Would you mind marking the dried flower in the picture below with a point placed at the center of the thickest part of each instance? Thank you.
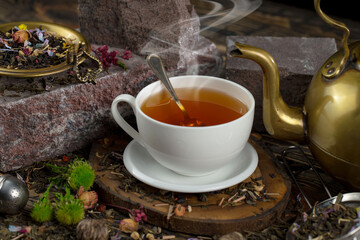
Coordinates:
(179, 210)
(106, 58)
(27, 50)
(135, 235)
(101, 208)
(128, 225)
(26, 230)
(21, 36)
(88, 198)
(3, 41)
(139, 214)
(65, 158)
(22, 27)
(126, 54)
(150, 236)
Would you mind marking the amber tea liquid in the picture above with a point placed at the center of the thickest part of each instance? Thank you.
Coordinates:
(209, 106)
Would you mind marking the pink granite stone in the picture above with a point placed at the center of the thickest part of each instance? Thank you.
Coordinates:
(34, 127)
(167, 27)
(69, 116)
(298, 59)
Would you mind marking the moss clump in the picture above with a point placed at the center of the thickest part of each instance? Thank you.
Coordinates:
(69, 211)
(80, 173)
(43, 209)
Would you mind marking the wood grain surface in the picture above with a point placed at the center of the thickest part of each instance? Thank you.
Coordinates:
(206, 218)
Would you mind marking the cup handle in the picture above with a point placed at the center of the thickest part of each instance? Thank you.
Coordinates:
(121, 121)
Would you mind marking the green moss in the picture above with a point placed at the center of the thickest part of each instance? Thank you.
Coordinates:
(70, 213)
(43, 209)
(69, 210)
(80, 173)
(42, 212)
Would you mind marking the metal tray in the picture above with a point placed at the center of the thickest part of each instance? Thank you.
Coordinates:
(350, 200)
(66, 32)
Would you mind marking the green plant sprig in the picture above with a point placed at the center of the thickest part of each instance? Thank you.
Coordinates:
(80, 173)
(43, 210)
(69, 210)
(76, 174)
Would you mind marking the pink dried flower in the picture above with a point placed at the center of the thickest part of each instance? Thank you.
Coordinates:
(106, 58)
(126, 54)
(21, 36)
(88, 198)
(139, 214)
(27, 51)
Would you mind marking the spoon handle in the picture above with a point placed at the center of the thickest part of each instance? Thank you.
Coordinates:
(156, 65)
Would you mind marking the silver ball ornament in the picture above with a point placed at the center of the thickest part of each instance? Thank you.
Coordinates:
(13, 194)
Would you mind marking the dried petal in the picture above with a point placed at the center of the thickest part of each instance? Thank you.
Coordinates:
(179, 210)
(150, 236)
(22, 27)
(259, 188)
(135, 235)
(128, 225)
(189, 208)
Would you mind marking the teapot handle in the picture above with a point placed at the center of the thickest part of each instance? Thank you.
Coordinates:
(336, 70)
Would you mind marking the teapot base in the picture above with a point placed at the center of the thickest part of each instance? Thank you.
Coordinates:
(345, 172)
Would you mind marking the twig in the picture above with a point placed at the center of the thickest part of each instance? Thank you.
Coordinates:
(119, 174)
(170, 211)
(221, 202)
(239, 199)
(161, 204)
(18, 237)
(168, 237)
(272, 194)
(231, 198)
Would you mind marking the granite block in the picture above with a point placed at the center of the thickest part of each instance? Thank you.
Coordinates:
(38, 126)
(298, 59)
(66, 116)
(167, 27)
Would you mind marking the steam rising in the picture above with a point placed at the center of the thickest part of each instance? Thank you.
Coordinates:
(183, 40)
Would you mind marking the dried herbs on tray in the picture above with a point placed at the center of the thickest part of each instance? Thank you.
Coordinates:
(23, 48)
(329, 222)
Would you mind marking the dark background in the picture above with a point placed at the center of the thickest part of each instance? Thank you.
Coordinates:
(334, 8)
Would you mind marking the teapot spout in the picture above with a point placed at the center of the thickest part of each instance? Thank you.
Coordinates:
(280, 120)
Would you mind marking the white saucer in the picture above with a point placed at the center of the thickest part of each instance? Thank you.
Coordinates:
(145, 168)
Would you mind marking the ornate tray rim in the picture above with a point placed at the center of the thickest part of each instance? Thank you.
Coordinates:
(60, 29)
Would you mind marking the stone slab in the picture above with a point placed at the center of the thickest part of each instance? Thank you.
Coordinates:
(34, 127)
(298, 59)
(167, 27)
(56, 116)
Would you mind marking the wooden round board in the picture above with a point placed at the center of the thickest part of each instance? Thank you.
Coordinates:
(116, 186)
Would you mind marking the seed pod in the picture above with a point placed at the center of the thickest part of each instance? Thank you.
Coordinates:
(92, 229)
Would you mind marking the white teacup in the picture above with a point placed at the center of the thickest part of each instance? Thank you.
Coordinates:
(191, 151)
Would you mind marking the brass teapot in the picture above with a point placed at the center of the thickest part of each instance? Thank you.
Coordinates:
(330, 119)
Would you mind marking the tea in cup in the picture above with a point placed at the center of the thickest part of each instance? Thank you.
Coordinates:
(225, 108)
